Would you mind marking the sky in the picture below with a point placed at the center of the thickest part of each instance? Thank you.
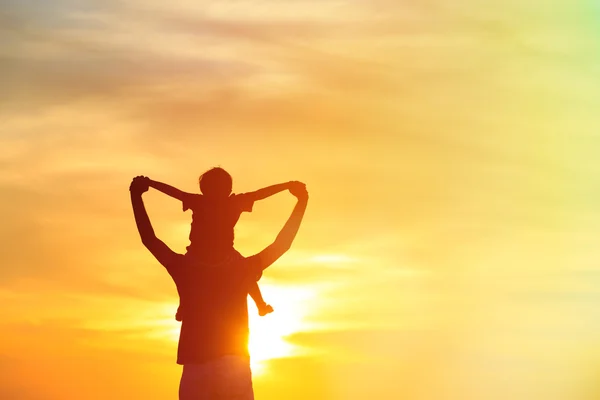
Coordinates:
(450, 149)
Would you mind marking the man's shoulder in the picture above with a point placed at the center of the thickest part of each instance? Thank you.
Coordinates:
(251, 264)
(175, 263)
(232, 260)
(238, 261)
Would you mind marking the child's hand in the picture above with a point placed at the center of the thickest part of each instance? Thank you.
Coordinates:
(298, 189)
(295, 185)
(139, 185)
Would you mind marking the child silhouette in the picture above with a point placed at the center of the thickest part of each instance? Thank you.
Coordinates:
(215, 213)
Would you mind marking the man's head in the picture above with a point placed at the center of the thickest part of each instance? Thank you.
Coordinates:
(216, 182)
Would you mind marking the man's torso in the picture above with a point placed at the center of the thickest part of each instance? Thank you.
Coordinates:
(214, 303)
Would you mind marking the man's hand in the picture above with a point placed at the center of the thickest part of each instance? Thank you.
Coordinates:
(298, 189)
(139, 185)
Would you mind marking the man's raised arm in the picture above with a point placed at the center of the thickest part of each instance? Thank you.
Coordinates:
(286, 236)
(160, 250)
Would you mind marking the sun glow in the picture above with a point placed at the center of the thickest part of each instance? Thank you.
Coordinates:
(268, 334)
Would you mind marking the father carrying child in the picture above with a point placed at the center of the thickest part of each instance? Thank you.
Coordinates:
(215, 213)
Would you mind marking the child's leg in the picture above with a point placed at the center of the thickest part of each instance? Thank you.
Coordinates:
(263, 308)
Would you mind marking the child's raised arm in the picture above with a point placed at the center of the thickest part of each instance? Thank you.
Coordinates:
(269, 191)
(169, 190)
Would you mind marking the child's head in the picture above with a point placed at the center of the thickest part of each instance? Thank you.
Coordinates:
(216, 182)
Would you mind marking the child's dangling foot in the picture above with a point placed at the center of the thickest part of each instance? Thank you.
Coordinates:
(264, 309)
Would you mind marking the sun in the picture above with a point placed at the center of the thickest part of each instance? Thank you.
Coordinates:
(268, 334)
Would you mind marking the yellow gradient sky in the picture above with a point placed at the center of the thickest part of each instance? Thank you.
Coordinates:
(451, 151)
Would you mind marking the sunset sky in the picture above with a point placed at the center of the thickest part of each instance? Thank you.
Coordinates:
(451, 149)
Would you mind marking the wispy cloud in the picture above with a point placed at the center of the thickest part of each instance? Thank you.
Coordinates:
(450, 152)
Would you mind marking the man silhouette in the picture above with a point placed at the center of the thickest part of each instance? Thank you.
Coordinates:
(213, 342)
